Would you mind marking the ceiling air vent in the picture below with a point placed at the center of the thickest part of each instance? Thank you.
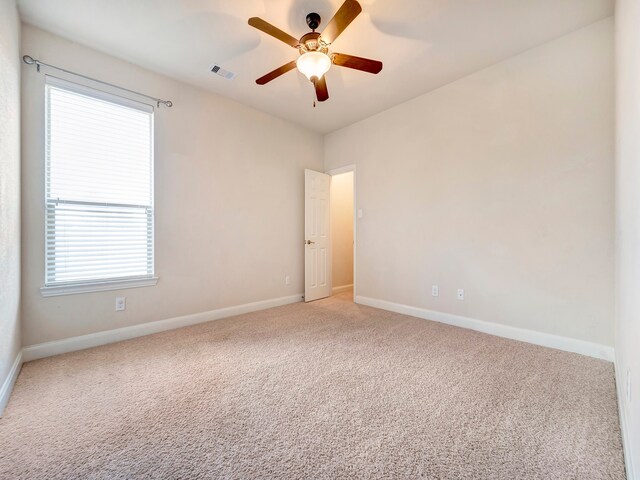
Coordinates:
(218, 70)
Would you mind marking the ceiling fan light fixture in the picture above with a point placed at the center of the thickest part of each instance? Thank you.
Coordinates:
(313, 64)
(315, 60)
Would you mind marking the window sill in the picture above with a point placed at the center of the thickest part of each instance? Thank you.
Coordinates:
(73, 289)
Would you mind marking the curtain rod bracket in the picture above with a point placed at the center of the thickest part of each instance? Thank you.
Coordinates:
(29, 60)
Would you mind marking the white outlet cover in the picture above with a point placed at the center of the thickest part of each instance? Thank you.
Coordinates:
(121, 304)
(435, 290)
(287, 280)
(460, 294)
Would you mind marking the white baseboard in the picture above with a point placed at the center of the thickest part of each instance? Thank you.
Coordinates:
(343, 288)
(7, 386)
(582, 347)
(57, 347)
(624, 428)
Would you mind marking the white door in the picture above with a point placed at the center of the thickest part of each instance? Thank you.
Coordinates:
(317, 258)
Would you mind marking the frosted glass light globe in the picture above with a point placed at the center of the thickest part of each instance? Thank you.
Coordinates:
(313, 64)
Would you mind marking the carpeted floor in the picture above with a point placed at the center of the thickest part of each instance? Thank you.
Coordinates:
(324, 390)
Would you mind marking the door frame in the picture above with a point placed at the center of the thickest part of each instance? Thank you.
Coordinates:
(338, 171)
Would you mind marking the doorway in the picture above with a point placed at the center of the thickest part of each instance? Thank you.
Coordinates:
(342, 214)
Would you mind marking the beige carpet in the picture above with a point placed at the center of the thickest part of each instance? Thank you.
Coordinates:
(324, 390)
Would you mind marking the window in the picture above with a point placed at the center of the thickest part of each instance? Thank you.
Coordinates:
(98, 190)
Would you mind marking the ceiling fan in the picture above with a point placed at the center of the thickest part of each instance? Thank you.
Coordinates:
(315, 59)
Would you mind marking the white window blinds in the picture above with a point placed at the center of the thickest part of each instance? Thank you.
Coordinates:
(99, 186)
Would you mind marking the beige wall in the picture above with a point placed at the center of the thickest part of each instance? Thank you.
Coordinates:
(9, 186)
(229, 201)
(627, 343)
(342, 229)
(500, 183)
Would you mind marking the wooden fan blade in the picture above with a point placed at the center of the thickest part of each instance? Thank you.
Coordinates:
(269, 29)
(357, 63)
(276, 73)
(321, 89)
(349, 10)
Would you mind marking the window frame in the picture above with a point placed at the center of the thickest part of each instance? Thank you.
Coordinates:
(115, 283)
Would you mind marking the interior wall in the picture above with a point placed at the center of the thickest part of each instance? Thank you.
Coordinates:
(9, 187)
(500, 184)
(342, 229)
(229, 201)
(627, 337)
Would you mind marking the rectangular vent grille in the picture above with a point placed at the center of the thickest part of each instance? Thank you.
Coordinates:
(218, 70)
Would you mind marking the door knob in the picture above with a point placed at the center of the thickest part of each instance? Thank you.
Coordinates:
(309, 242)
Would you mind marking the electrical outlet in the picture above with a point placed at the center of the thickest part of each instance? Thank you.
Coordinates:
(460, 294)
(435, 291)
(287, 280)
(629, 386)
(121, 304)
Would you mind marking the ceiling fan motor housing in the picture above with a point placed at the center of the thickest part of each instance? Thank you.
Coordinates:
(313, 20)
(310, 43)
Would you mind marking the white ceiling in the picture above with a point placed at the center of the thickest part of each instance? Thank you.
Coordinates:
(423, 44)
